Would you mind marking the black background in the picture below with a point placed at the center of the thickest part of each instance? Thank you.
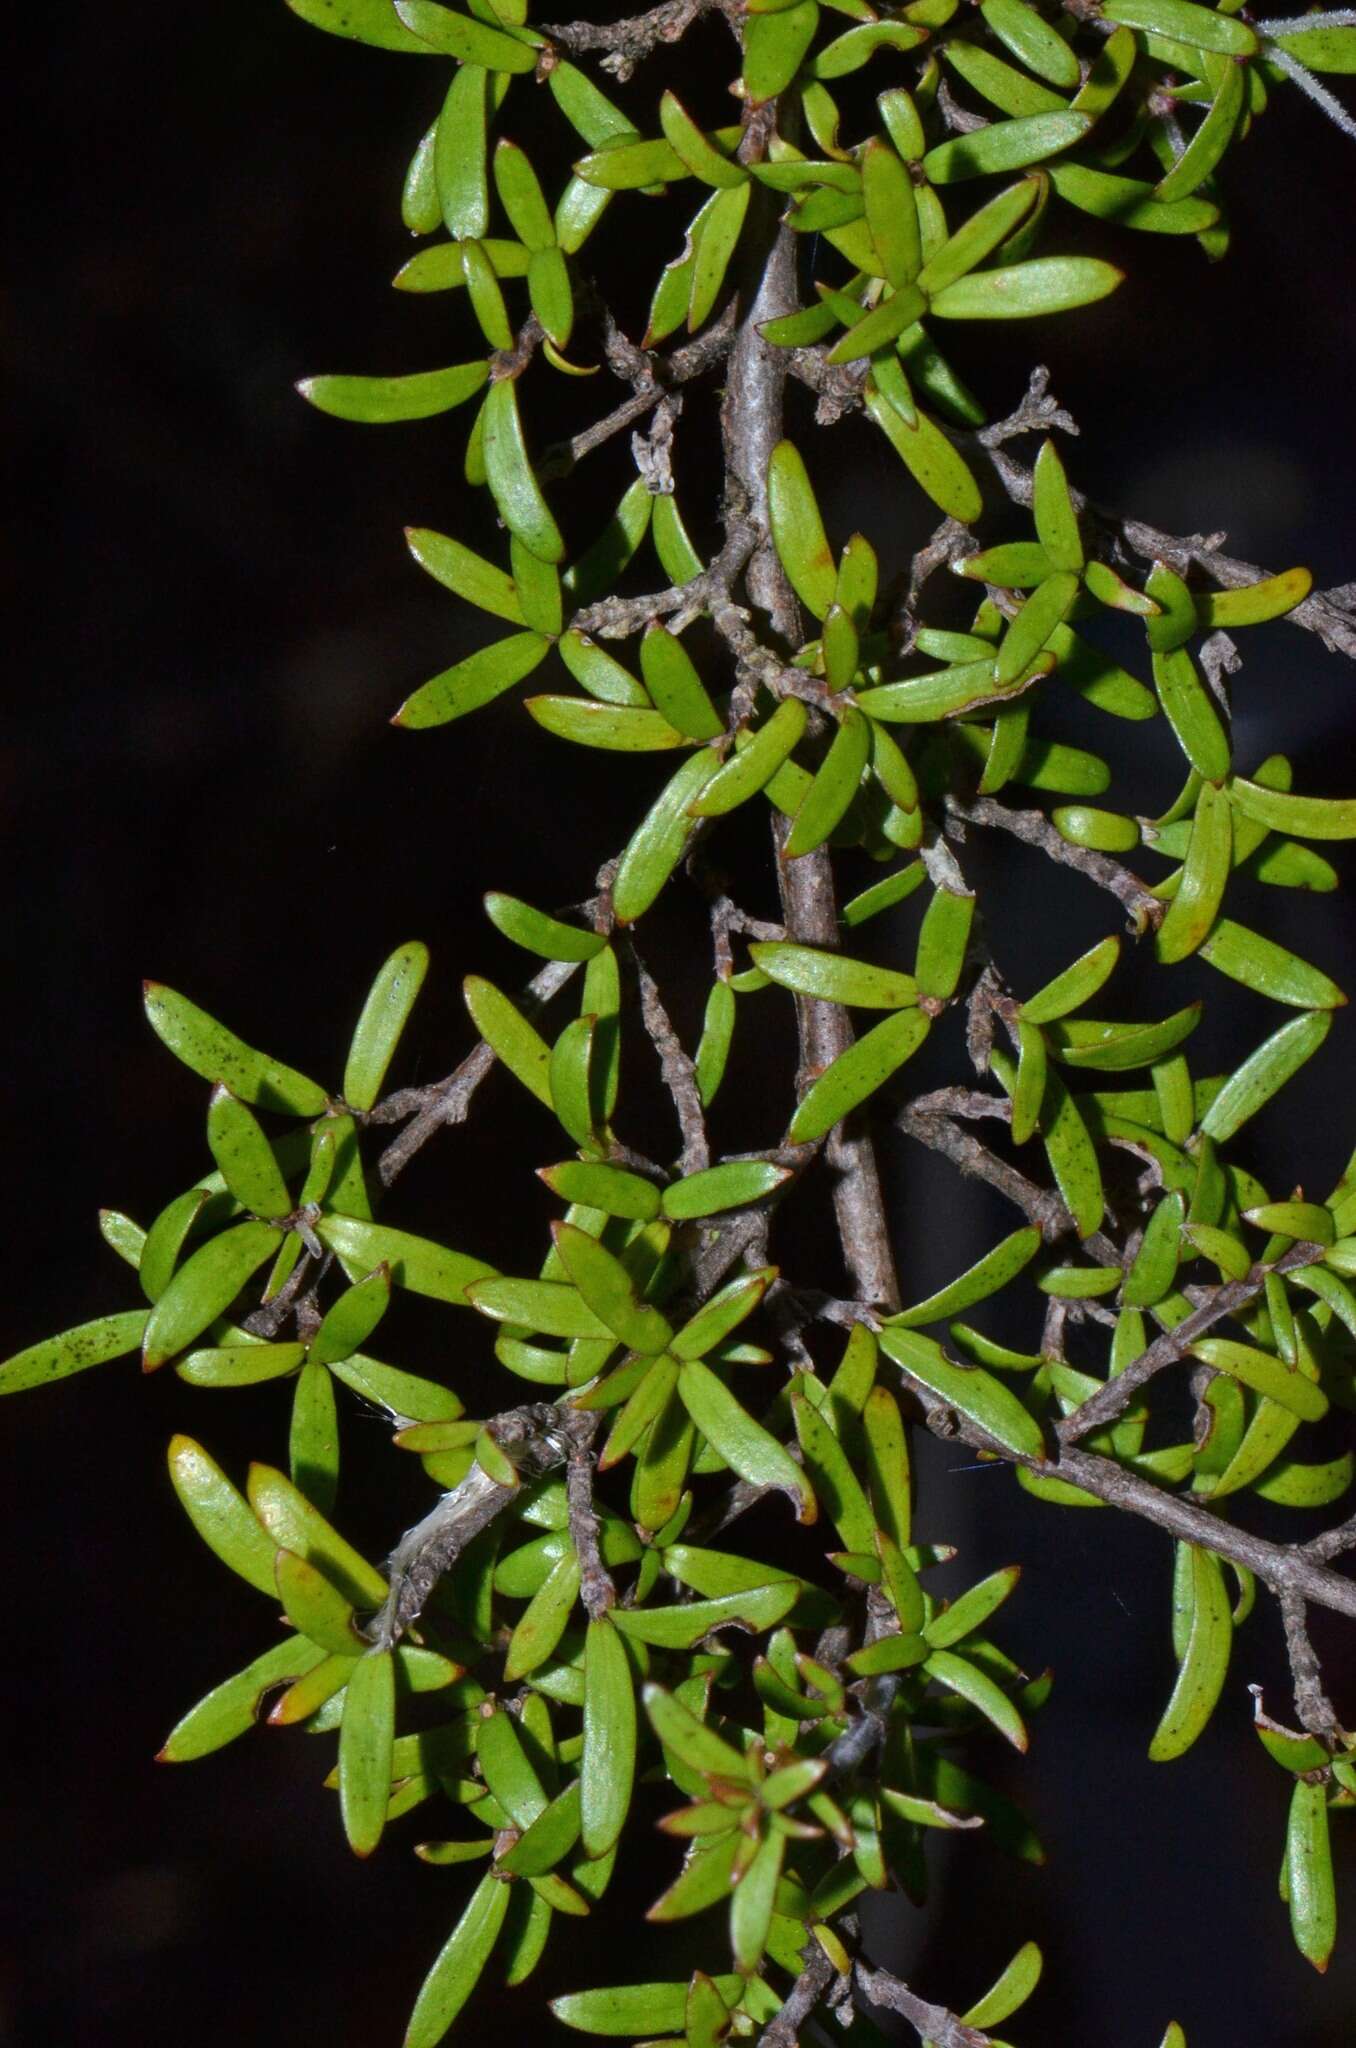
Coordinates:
(215, 616)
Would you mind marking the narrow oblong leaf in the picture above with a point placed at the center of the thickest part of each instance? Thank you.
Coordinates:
(366, 1738)
(743, 1443)
(1004, 146)
(832, 977)
(204, 1288)
(857, 1073)
(1264, 1072)
(1265, 1374)
(607, 1288)
(1303, 817)
(459, 1964)
(474, 682)
(414, 1262)
(385, 1013)
(511, 478)
(608, 1760)
(1205, 1660)
(1075, 985)
(974, 1393)
(730, 1186)
(209, 1049)
(996, 1269)
(1309, 1876)
(1259, 963)
(55, 1358)
(656, 846)
(383, 400)
(221, 1514)
(753, 766)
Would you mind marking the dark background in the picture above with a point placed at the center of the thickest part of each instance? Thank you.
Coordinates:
(215, 616)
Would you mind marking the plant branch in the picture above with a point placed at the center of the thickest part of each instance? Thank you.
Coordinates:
(1033, 828)
(933, 2024)
(627, 43)
(1224, 1300)
(751, 426)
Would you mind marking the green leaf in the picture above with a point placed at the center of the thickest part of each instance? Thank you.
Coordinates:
(835, 1483)
(1153, 1271)
(209, 1049)
(296, 1526)
(1204, 1662)
(474, 682)
(996, 1269)
(657, 845)
(1320, 49)
(1004, 146)
(415, 1262)
(752, 1903)
(509, 1036)
(1308, 1869)
(1268, 1069)
(1072, 1156)
(204, 1288)
(362, 21)
(366, 1736)
(976, 1687)
(691, 1741)
(857, 1073)
(610, 1188)
(832, 977)
(385, 1014)
(617, 728)
(730, 1186)
(1210, 140)
(1028, 1091)
(1303, 817)
(929, 457)
(774, 48)
(975, 1394)
(1259, 963)
(1265, 1374)
(1112, 1047)
(88, 1344)
(753, 766)
(465, 574)
(891, 213)
(681, 1628)
(316, 1607)
(382, 400)
(743, 1443)
(608, 1290)
(722, 1313)
(608, 1762)
(1185, 22)
(1011, 1990)
(798, 531)
(470, 42)
(713, 1050)
(507, 1769)
(1024, 291)
(313, 1439)
(836, 781)
(675, 686)
(460, 155)
(459, 1964)
(640, 2010)
(547, 1306)
(1051, 505)
(1192, 714)
(977, 237)
(232, 1707)
(221, 1514)
(1032, 41)
(887, 1466)
(1075, 985)
(1205, 872)
(596, 671)
(244, 1156)
(511, 479)
(942, 939)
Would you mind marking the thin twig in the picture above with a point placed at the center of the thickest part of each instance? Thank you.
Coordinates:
(680, 1076)
(934, 2024)
(1033, 828)
(1224, 1300)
